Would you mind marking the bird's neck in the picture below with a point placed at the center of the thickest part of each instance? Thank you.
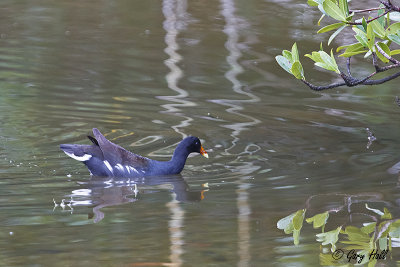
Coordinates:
(178, 159)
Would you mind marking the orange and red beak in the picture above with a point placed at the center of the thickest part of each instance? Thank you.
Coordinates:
(203, 152)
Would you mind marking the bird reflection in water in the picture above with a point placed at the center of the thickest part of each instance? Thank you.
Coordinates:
(105, 192)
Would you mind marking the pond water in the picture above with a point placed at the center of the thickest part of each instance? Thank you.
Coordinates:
(148, 73)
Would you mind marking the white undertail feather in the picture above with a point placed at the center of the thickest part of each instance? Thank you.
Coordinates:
(85, 157)
(108, 165)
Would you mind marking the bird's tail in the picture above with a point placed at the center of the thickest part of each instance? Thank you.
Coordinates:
(77, 152)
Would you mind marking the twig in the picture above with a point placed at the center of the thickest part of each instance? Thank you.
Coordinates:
(391, 59)
(370, 20)
(389, 5)
(381, 69)
(325, 87)
(366, 10)
(348, 66)
(383, 80)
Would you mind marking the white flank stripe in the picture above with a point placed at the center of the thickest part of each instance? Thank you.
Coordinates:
(81, 158)
(133, 169)
(119, 167)
(127, 168)
(108, 166)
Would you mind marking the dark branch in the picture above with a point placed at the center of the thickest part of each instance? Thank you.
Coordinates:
(351, 81)
(366, 10)
(348, 66)
(383, 80)
(389, 6)
(325, 87)
(382, 69)
(391, 59)
(370, 20)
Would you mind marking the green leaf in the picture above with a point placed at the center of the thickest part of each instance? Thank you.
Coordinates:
(383, 243)
(350, 54)
(370, 36)
(344, 7)
(395, 16)
(368, 227)
(297, 70)
(298, 222)
(330, 60)
(331, 27)
(292, 223)
(351, 47)
(287, 54)
(296, 237)
(387, 215)
(364, 23)
(333, 10)
(378, 29)
(387, 19)
(394, 38)
(355, 234)
(320, 19)
(395, 52)
(323, 60)
(369, 52)
(318, 220)
(336, 33)
(361, 36)
(295, 53)
(286, 223)
(284, 63)
(330, 237)
(393, 29)
(394, 230)
(385, 49)
(381, 20)
(315, 56)
(351, 50)
(312, 3)
(298, 219)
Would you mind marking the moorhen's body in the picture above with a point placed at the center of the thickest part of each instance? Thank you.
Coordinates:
(104, 158)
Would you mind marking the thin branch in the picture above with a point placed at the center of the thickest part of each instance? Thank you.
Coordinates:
(381, 69)
(389, 5)
(325, 87)
(348, 66)
(370, 20)
(383, 80)
(391, 59)
(351, 81)
(366, 10)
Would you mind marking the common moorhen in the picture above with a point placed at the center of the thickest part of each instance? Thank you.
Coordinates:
(104, 158)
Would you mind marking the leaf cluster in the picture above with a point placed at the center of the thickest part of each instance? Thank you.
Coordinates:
(377, 36)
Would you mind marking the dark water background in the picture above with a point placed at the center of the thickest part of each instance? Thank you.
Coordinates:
(147, 73)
